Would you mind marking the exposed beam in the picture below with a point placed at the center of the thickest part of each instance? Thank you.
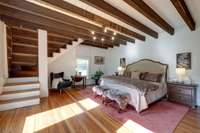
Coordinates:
(148, 12)
(107, 8)
(65, 34)
(73, 23)
(99, 43)
(42, 22)
(97, 19)
(18, 22)
(182, 9)
(93, 45)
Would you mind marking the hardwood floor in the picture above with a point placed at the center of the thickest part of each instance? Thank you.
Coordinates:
(65, 113)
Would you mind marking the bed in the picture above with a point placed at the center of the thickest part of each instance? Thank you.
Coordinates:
(142, 91)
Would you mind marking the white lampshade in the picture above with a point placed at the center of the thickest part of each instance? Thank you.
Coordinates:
(119, 69)
(180, 71)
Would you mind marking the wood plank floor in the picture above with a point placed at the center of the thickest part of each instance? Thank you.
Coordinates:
(65, 113)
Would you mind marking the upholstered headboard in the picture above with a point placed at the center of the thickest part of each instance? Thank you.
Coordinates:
(147, 65)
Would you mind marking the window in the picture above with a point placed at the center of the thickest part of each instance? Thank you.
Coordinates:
(82, 66)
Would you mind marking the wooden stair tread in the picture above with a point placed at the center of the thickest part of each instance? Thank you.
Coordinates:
(30, 73)
(18, 99)
(24, 63)
(21, 83)
(20, 91)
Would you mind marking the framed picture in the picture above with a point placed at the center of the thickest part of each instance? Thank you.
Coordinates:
(99, 60)
(123, 62)
(183, 60)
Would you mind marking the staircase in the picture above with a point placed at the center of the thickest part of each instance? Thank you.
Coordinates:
(22, 50)
(19, 94)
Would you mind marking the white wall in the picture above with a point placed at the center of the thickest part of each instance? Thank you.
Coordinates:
(90, 53)
(3, 56)
(67, 62)
(43, 62)
(164, 50)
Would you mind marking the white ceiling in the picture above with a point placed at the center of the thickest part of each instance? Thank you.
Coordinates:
(163, 7)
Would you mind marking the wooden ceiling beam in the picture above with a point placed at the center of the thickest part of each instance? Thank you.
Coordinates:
(94, 45)
(60, 38)
(94, 18)
(41, 22)
(73, 23)
(100, 43)
(148, 12)
(107, 8)
(11, 21)
(184, 12)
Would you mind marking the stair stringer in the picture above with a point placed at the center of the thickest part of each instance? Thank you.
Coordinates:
(63, 51)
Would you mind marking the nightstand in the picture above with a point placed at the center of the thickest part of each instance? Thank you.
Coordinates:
(182, 93)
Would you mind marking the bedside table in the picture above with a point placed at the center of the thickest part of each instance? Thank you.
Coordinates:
(182, 93)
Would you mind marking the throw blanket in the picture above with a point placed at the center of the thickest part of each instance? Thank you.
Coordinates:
(138, 89)
(141, 85)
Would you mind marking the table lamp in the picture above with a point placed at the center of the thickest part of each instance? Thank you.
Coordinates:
(180, 73)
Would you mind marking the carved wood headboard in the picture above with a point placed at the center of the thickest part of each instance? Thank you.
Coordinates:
(147, 65)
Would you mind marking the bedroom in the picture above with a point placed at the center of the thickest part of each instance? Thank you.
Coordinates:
(90, 49)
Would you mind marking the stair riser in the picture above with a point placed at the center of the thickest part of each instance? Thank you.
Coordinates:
(21, 104)
(21, 87)
(19, 80)
(19, 95)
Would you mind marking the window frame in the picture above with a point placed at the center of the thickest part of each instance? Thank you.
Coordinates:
(88, 59)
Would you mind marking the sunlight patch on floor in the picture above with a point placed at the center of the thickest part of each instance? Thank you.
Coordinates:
(133, 127)
(48, 118)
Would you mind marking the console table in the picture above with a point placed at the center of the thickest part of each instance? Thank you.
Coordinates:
(79, 79)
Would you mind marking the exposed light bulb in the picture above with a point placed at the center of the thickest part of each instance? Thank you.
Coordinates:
(105, 30)
(94, 38)
(92, 32)
(114, 33)
(102, 39)
(113, 38)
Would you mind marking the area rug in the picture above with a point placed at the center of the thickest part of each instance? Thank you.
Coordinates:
(160, 117)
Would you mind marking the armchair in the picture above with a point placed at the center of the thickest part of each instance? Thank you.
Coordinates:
(62, 84)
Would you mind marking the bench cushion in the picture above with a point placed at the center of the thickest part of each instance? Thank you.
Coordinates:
(100, 90)
(122, 98)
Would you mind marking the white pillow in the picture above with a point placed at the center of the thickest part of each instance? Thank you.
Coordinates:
(55, 82)
(135, 75)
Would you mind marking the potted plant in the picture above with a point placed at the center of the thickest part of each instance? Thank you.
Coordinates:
(97, 76)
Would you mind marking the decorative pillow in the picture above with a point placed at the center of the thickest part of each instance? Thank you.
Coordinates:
(127, 74)
(154, 77)
(135, 75)
(56, 82)
(142, 75)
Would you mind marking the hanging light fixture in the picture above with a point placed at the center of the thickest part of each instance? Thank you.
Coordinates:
(112, 38)
(94, 37)
(102, 39)
(92, 32)
(105, 30)
(114, 33)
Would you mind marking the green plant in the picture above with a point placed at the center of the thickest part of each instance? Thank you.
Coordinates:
(97, 76)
